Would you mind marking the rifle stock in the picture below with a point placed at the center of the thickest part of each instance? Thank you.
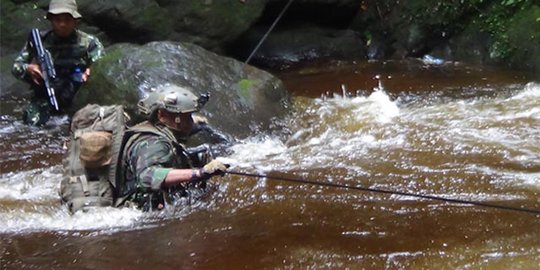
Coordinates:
(46, 64)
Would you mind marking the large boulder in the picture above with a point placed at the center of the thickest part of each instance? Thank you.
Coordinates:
(500, 32)
(10, 86)
(242, 98)
(16, 22)
(207, 23)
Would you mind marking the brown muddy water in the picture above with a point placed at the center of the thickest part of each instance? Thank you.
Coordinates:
(452, 131)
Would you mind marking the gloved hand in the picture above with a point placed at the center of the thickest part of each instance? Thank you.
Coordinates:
(199, 120)
(214, 167)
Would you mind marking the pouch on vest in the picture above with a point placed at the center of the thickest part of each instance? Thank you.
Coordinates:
(92, 156)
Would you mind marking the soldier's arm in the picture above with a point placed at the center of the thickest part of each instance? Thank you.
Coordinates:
(95, 52)
(176, 176)
(20, 65)
(153, 165)
(151, 160)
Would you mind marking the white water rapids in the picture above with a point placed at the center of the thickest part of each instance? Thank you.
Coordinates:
(376, 140)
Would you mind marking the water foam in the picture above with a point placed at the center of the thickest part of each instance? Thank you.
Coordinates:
(376, 107)
(34, 185)
(326, 133)
(58, 219)
(29, 201)
(499, 126)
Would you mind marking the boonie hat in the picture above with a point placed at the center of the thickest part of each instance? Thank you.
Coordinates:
(64, 6)
(95, 149)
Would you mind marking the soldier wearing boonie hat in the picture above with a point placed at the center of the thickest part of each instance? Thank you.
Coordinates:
(64, 6)
(73, 52)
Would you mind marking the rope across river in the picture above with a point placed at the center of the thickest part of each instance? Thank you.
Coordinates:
(392, 192)
(375, 190)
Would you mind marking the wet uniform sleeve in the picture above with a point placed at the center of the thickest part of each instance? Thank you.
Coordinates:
(20, 63)
(152, 160)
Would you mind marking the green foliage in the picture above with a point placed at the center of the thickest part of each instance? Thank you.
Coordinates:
(369, 37)
(512, 27)
(523, 34)
(440, 13)
(495, 20)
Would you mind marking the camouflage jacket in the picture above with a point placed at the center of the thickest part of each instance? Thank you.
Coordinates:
(79, 50)
(148, 157)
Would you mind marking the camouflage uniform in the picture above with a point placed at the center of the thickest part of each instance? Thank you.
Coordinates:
(150, 151)
(77, 52)
(148, 157)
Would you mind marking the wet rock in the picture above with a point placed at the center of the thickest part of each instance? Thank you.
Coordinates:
(208, 23)
(300, 44)
(242, 98)
(16, 22)
(9, 84)
(314, 29)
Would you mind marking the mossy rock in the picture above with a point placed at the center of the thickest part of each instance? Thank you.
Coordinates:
(242, 97)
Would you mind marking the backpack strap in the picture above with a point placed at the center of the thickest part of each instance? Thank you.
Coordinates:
(130, 137)
(118, 136)
(84, 183)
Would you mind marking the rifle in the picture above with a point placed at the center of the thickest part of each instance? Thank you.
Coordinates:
(46, 64)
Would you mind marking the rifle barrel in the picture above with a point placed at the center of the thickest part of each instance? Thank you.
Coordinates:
(46, 64)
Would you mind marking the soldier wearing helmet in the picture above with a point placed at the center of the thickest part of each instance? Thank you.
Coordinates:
(155, 167)
(73, 52)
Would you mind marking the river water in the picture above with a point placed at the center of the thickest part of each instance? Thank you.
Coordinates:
(452, 131)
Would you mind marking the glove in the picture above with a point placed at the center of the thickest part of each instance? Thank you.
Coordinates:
(200, 120)
(214, 167)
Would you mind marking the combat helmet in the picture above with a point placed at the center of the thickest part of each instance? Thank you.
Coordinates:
(172, 98)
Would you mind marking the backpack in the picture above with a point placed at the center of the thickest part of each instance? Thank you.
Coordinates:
(90, 164)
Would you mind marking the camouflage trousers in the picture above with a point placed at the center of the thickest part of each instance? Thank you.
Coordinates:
(37, 113)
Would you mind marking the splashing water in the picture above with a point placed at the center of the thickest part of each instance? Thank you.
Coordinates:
(29, 201)
(471, 147)
(441, 140)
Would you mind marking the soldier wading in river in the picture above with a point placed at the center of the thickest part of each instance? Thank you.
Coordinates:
(155, 167)
(144, 166)
(72, 52)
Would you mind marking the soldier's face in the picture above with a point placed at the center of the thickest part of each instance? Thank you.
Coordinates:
(180, 123)
(63, 24)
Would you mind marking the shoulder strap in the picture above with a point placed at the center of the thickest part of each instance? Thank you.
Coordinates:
(118, 136)
(130, 136)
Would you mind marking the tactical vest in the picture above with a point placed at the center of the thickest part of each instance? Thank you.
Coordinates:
(127, 190)
(70, 57)
(68, 54)
(145, 198)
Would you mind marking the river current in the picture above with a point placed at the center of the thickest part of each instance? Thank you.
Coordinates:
(451, 131)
